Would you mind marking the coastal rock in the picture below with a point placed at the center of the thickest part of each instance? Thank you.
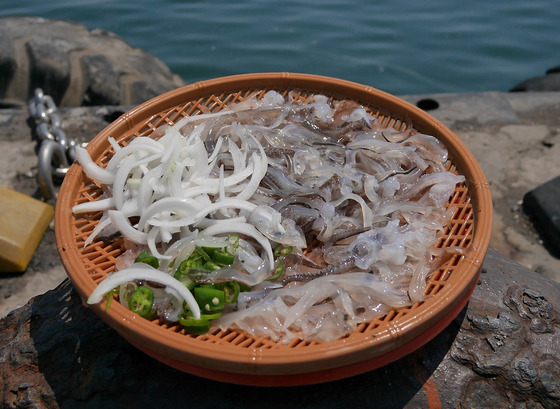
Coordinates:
(75, 66)
(501, 351)
(548, 82)
(543, 207)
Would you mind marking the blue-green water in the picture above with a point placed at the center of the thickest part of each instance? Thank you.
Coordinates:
(400, 46)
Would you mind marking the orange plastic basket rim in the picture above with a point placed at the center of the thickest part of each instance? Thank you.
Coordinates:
(239, 353)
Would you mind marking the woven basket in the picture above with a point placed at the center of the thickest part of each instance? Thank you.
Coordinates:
(234, 356)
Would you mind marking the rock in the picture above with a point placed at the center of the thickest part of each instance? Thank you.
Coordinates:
(75, 66)
(543, 207)
(548, 82)
(553, 70)
(501, 351)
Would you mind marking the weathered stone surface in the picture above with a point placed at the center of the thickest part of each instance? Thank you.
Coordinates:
(501, 351)
(75, 66)
(104, 81)
(542, 204)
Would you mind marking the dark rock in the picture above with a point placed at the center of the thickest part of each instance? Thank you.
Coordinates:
(8, 65)
(542, 205)
(553, 69)
(75, 66)
(103, 81)
(548, 82)
(56, 353)
(49, 65)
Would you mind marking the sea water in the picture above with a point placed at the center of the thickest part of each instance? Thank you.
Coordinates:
(399, 46)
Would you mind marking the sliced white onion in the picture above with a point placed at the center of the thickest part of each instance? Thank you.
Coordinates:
(86, 207)
(200, 214)
(103, 224)
(95, 172)
(122, 223)
(141, 271)
(243, 228)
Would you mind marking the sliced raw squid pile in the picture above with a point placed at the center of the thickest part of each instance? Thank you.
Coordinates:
(310, 217)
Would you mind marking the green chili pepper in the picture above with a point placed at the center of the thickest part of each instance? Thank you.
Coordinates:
(209, 298)
(190, 264)
(188, 316)
(110, 295)
(141, 302)
(244, 287)
(231, 290)
(210, 265)
(282, 252)
(128, 289)
(223, 257)
(279, 253)
(278, 272)
(147, 258)
(183, 276)
(203, 251)
(197, 327)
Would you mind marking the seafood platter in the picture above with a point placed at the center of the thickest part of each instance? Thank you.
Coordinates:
(275, 228)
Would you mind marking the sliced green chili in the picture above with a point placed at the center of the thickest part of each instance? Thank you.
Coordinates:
(147, 258)
(203, 251)
(278, 272)
(209, 298)
(210, 265)
(188, 316)
(183, 276)
(189, 264)
(231, 290)
(128, 289)
(244, 287)
(110, 295)
(224, 258)
(279, 253)
(197, 327)
(141, 302)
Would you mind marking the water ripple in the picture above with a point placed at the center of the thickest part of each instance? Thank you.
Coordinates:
(403, 46)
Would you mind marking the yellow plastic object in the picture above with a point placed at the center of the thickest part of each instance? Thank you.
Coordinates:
(23, 221)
